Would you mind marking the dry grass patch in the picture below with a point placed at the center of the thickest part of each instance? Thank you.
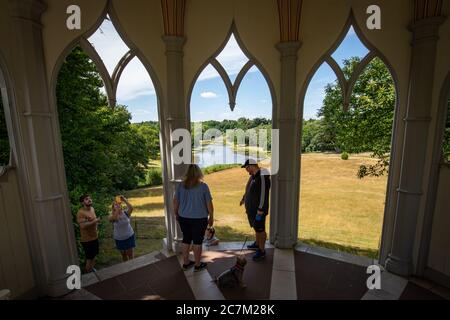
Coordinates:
(338, 208)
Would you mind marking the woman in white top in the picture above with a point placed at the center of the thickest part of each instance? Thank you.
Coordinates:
(123, 232)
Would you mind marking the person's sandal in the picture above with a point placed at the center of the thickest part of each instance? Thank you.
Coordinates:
(188, 266)
(200, 267)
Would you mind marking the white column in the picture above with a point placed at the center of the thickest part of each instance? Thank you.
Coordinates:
(39, 154)
(286, 206)
(176, 119)
(410, 190)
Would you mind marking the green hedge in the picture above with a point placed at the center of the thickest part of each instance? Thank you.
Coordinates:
(218, 167)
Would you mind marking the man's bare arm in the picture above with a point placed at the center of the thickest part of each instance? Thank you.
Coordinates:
(87, 224)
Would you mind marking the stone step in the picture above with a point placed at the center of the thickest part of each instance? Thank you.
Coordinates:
(5, 294)
(121, 268)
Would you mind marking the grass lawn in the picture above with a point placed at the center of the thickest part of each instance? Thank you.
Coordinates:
(337, 210)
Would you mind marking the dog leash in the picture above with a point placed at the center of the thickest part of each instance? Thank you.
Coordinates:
(243, 246)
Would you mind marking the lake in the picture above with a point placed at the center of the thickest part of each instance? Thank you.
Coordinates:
(213, 154)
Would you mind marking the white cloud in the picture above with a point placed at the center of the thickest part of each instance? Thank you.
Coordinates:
(231, 115)
(108, 45)
(135, 81)
(209, 95)
(231, 58)
(322, 81)
(141, 112)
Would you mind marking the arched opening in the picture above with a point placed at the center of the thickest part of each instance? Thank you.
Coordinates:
(446, 137)
(110, 131)
(432, 255)
(348, 120)
(136, 91)
(230, 106)
(5, 149)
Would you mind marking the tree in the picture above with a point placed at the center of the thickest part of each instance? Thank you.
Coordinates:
(446, 142)
(4, 141)
(316, 136)
(367, 125)
(103, 152)
(149, 131)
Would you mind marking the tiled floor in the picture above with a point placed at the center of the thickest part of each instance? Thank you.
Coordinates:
(202, 284)
(257, 275)
(305, 273)
(392, 286)
(323, 278)
(283, 283)
(415, 292)
(164, 278)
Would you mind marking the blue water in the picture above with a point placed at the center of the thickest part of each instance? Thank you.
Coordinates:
(213, 154)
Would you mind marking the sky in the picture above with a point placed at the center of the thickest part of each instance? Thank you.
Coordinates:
(209, 99)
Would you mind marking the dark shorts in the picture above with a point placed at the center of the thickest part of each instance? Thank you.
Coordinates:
(90, 249)
(127, 244)
(193, 230)
(258, 226)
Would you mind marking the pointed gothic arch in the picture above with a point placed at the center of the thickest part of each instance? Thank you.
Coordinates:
(111, 82)
(347, 86)
(438, 162)
(233, 87)
(6, 100)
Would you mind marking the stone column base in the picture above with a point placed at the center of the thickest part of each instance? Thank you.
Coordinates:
(285, 243)
(398, 266)
(176, 245)
(57, 288)
(5, 294)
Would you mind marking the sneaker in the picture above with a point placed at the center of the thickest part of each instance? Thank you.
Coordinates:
(253, 246)
(200, 267)
(189, 265)
(259, 255)
(94, 271)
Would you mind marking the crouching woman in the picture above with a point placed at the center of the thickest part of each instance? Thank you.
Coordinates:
(123, 232)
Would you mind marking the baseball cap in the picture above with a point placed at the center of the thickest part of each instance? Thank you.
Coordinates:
(248, 162)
